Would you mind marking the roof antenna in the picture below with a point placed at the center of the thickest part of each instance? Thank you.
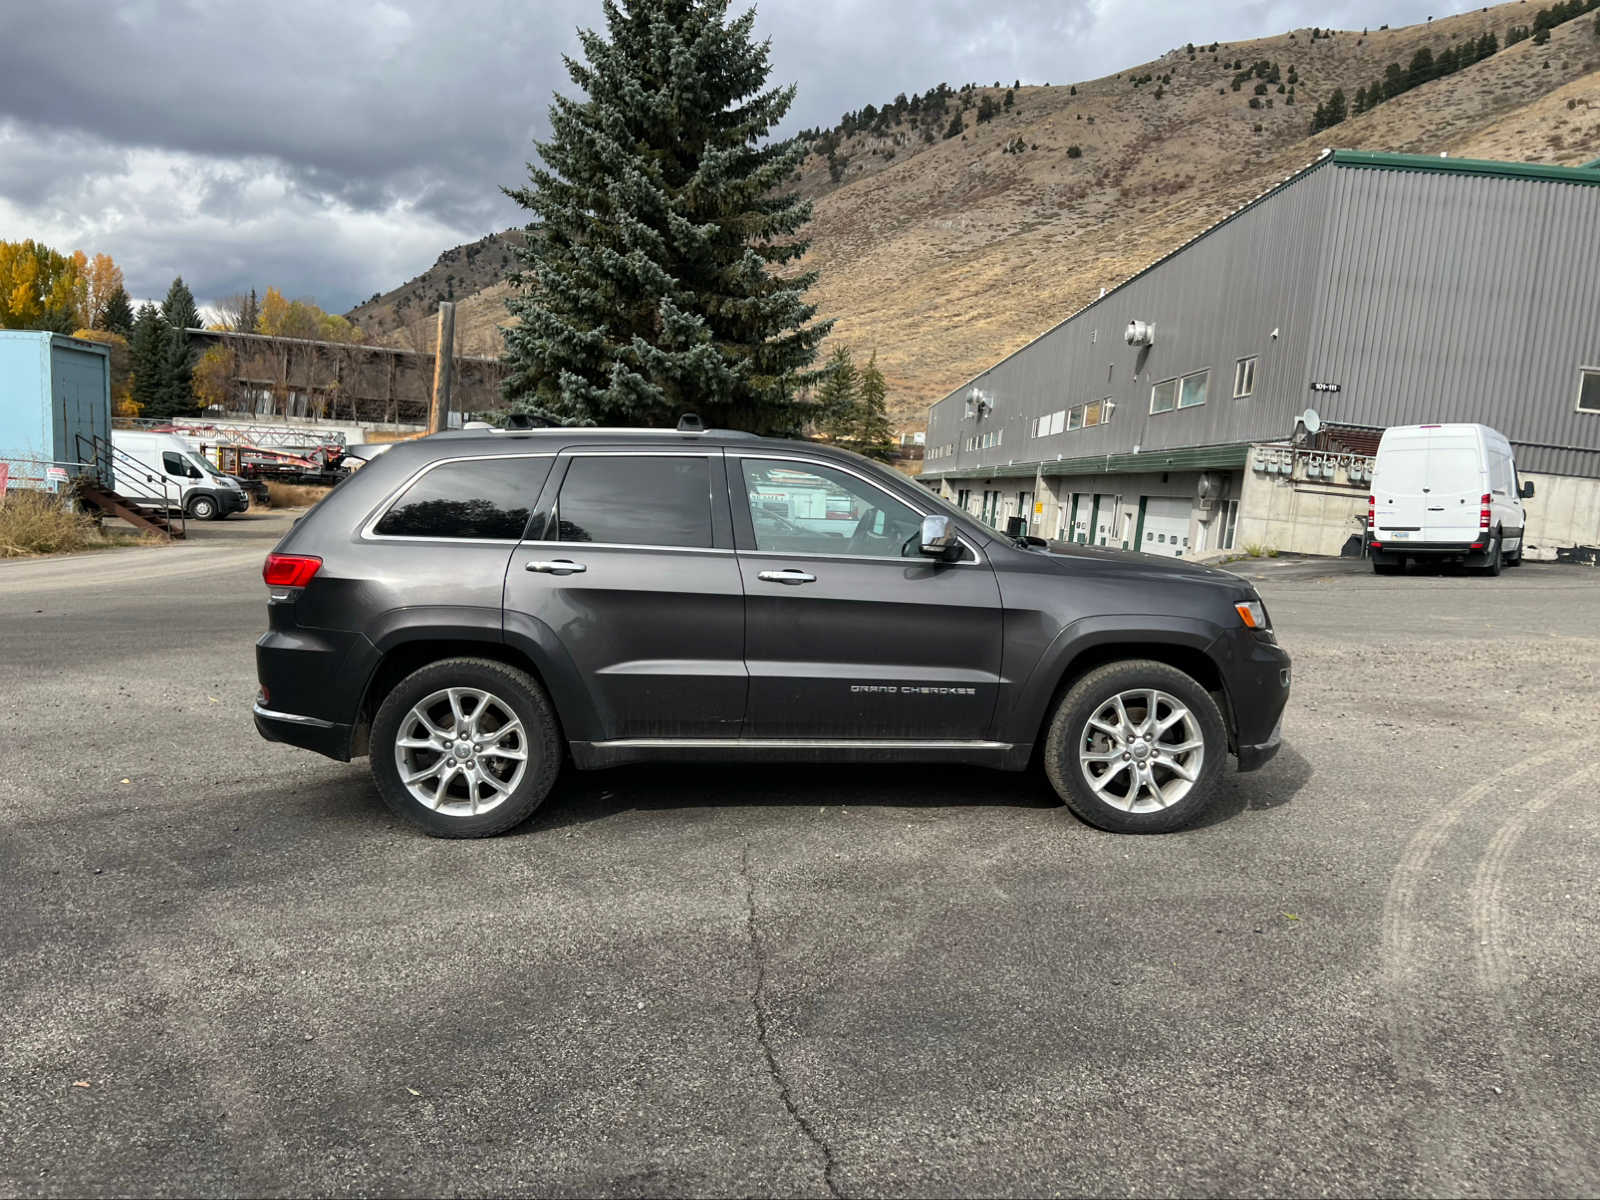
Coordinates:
(691, 423)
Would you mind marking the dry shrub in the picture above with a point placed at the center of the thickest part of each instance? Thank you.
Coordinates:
(36, 522)
(294, 495)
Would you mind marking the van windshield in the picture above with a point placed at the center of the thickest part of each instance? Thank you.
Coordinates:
(205, 465)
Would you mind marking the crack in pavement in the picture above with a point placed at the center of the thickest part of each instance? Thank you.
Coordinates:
(759, 1005)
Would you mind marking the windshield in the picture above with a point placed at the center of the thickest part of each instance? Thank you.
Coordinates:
(205, 465)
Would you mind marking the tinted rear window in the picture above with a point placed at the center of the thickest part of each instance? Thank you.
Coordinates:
(636, 500)
(473, 498)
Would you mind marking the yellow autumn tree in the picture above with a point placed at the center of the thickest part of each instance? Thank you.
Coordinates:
(281, 317)
(39, 287)
(101, 280)
(213, 376)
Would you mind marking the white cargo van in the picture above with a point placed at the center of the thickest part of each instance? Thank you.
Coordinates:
(161, 469)
(1445, 492)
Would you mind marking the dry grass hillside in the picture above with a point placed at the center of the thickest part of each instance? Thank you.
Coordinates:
(945, 255)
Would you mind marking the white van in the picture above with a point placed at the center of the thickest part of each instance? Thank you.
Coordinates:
(1445, 492)
(153, 469)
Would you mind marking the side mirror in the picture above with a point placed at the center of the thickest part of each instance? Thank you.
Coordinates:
(939, 538)
(1526, 490)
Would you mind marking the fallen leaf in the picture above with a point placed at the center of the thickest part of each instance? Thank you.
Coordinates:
(1292, 916)
(80, 1083)
(413, 1091)
(127, 781)
(213, 700)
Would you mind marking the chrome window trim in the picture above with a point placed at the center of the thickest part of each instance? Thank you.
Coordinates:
(740, 454)
(382, 508)
(575, 546)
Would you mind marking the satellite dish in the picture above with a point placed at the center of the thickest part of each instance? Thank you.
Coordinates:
(1311, 421)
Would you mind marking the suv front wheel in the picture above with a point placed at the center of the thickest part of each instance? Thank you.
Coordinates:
(465, 747)
(1136, 747)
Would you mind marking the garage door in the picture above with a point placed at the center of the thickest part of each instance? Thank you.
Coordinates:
(1166, 526)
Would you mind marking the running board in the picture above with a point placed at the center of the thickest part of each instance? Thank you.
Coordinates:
(596, 755)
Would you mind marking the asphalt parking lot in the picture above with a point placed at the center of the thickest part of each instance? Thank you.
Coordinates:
(227, 969)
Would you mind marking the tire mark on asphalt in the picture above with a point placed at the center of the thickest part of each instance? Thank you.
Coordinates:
(758, 1002)
(1493, 960)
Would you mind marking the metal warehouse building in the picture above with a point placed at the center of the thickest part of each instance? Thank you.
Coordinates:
(1374, 289)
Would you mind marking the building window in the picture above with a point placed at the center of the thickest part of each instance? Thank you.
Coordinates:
(1192, 393)
(1107, 407)
(1244, 377)
(1091, 413)
(1075, 417)
(1058, 420)
(1589, 390)
(1230, 524)
(1164, 396)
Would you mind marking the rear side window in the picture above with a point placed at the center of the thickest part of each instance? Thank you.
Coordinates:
(486, 498)
(636, 500)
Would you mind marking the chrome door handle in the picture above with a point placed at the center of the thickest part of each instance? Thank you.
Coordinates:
(556, 566)
(788, 575)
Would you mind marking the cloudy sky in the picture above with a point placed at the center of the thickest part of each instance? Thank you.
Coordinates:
(334, 149)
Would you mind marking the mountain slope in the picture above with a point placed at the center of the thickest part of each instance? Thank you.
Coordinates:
(950, 253)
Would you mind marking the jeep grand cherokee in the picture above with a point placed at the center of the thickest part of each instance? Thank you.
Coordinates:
(474, 609)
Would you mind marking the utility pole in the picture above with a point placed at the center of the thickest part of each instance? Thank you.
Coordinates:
(444, 362)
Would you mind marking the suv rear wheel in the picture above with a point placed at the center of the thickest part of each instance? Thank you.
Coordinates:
(465, 747)
(1136, 747)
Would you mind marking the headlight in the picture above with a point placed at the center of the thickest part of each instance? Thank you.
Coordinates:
(1253, 613)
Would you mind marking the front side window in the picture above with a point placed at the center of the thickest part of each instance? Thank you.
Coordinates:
(1164, 396)
(808, 508)
(636, 500)
(1589, 390)
(175, 464)
(477, 498)
(1193, 392)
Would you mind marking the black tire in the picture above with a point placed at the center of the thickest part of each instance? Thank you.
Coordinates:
(202, 508)
(1515, 560)
(515, 689)
(1069, 724)
(1379, 568)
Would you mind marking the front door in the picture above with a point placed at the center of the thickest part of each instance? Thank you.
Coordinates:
(633, 571)
(850, 633)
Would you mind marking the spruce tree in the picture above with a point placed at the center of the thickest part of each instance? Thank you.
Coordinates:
(119, 313)
(179, 314)
(838, 395)
(646, 286)
(148, 358)
(872, 433)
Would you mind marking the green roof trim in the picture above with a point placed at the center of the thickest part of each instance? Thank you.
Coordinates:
(1183, 458)
(1589, 174)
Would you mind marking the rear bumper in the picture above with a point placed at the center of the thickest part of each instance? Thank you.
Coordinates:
(309, 733)
(1385, 550)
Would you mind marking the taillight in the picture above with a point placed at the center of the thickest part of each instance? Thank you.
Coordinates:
(1372, 508)
(290, 570)
(1483, 513)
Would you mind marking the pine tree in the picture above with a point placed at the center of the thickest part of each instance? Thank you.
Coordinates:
(249, 318)
(119, 313)
(178, 315)
(148, 346)
(645, 288)
(838, 395)
(871, 433)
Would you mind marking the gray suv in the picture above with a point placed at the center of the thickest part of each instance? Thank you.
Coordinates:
(476, 609)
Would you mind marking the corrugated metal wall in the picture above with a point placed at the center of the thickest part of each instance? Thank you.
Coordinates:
(1214, 302)
(1422, 296)
(1463, 298)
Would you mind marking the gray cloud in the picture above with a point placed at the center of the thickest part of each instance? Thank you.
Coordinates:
(334, 150)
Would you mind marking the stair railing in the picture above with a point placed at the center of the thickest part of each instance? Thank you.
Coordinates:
(139, 483)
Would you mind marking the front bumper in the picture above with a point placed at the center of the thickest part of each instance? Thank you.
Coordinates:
(1254, 757)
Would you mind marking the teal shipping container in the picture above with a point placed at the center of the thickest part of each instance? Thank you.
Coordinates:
(55, 395)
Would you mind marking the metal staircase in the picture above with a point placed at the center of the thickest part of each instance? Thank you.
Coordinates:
(147, 499)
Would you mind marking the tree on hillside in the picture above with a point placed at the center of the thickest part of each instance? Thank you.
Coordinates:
(148, 357)
(118, 315)
(838, 394)
(870, 432)
(38, 288)
(646, 287)
(178, 315)
(955, 127)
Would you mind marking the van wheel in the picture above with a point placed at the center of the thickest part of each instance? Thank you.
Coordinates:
(465, 747)
(1136, 747)
(1382, 568)
(202, 508)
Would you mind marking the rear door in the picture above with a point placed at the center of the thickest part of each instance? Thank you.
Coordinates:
(1455, 482)
(1400, 487)
(632, 570)
(861, 637)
